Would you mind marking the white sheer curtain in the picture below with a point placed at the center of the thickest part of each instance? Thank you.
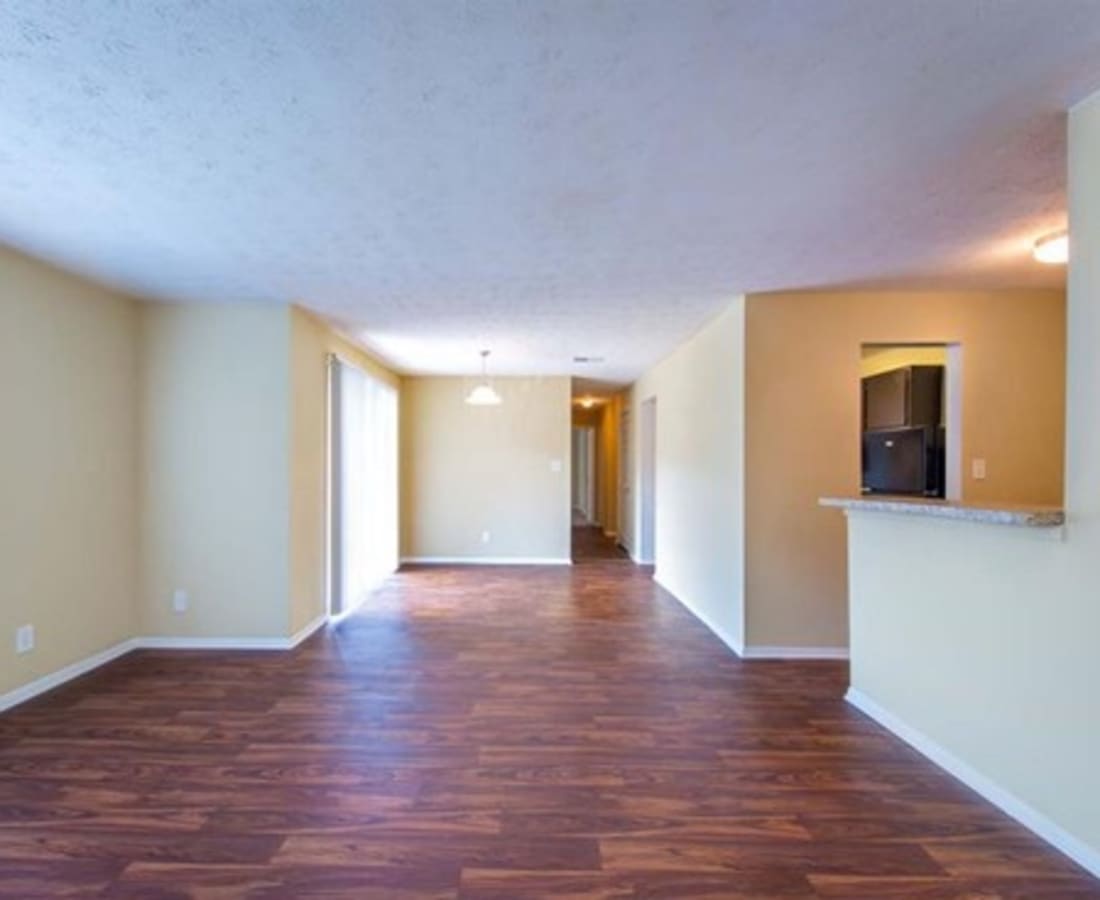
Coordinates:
(363, 495)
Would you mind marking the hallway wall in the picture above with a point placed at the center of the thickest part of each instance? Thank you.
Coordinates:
(699, 471)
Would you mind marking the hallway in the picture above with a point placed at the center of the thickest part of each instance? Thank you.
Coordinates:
(501, 732)
(590, 544)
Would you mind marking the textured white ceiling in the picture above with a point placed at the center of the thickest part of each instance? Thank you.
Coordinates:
(543, 178)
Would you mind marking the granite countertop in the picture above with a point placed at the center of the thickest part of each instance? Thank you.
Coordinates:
(988, 513)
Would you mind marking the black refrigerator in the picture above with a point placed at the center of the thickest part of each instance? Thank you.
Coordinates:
(903, 433)
(904, 461)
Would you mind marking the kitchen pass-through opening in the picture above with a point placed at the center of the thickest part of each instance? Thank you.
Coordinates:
(911, 420)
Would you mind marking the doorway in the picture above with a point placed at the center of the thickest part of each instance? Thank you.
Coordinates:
(585, 475)
(647, 458)
(911, 420)
(626, 482)
(594, 472)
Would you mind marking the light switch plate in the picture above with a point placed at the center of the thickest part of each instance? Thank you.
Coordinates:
(24, 639)
(555, 465)
(977, 469)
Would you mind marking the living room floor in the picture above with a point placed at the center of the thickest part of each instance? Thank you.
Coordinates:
(497, 732)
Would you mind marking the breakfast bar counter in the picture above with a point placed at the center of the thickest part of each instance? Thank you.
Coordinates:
(986, 513)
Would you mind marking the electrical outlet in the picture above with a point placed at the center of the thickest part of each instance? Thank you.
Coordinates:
(180, 601)
(486, 537)
(555, 465)
(24, 639)
(977, 469)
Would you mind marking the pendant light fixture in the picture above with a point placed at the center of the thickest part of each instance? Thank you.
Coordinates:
(1052, 249)
(483, 393)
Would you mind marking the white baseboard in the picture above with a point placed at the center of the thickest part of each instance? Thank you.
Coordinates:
(307, 631)
(1076, 849)
(160, 642)
(84, 666)
(336, 618)
(68, 673)
(710, 626)
(485, 561)
(760, 651)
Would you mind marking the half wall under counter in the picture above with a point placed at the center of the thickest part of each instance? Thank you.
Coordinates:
(973, 642)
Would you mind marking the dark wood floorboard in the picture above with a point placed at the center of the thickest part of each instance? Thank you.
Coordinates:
(590, 544)
(491, 733)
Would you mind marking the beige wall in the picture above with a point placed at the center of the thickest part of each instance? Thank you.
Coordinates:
(69, 498)
(215, 498)
(152, 447)
(468, 469)
(803, 414)
(699, 390)
(991, 654)
(311, 342)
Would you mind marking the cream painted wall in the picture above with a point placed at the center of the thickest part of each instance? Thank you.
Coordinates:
(700, 471)
(152, 447)
(68, 530)
(311, 341)
(216, 510)
(467, 469)
(992, 653)
(802, 440)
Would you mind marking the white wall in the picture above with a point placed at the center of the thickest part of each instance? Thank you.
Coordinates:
(68, 454)
(700, 471)
(216, 513)
(466, 470)
(983, 639)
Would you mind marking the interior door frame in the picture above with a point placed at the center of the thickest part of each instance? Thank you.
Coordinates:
(334, 498)
(647, 494)
(626, 486)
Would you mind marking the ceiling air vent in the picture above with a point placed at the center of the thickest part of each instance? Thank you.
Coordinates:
(588, 359)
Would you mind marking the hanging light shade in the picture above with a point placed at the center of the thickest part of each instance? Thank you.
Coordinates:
(1052, 249)
(483, 393)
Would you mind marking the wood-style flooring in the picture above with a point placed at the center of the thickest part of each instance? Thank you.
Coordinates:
(491, 733)
(590, 545)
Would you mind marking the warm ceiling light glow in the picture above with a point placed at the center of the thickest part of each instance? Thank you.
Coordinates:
(483, 394)
(1053, 249)
(588, 402)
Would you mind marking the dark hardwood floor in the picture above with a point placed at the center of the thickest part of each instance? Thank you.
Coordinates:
(491, 733)
(591, 545)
